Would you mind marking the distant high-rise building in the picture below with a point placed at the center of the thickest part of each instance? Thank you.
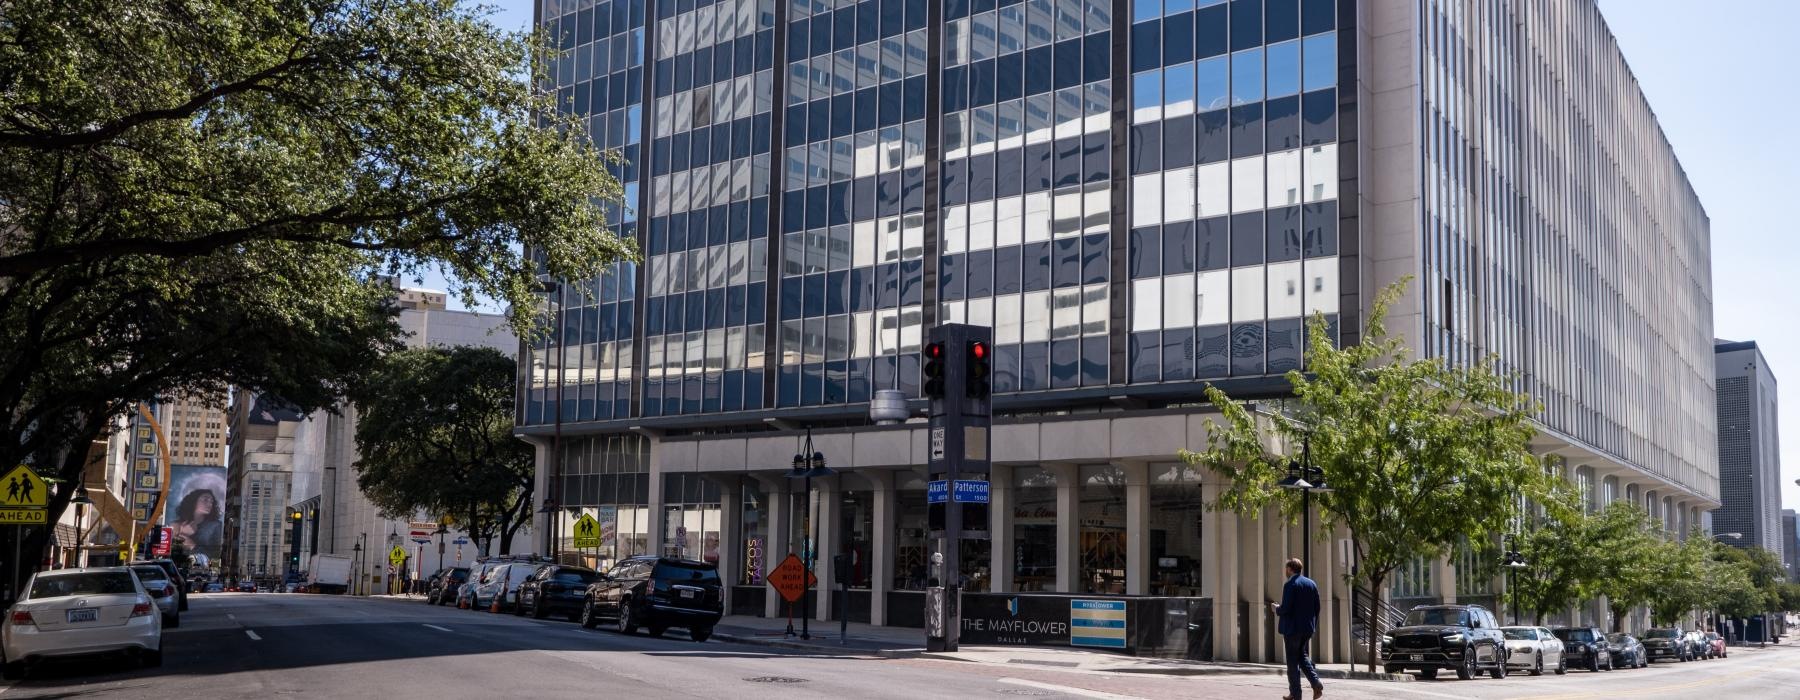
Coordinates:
(1790, 543)
(1749, 448)
(195, 428)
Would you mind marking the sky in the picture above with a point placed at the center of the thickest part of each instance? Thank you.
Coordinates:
(1718, 76)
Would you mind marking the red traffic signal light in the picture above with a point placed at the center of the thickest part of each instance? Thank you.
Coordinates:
(975, 371)
(934, 371)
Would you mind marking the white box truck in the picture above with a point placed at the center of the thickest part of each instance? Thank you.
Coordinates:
(329, 573)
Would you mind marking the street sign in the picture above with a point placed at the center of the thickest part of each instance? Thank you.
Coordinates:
(587, 532)
(937, 492)
(971, 491)
(937, 443)
(397, 557)
(791, 579)
(23, 501)
(422, 540)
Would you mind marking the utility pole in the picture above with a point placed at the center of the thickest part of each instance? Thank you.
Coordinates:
(958, 383)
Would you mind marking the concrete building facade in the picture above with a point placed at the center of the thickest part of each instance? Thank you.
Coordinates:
(1142, 198)
(1749, 448)
(196, 430)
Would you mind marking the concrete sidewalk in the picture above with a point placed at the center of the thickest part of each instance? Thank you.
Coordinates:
(897, 642)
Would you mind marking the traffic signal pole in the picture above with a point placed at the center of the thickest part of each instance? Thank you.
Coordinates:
(957, 381)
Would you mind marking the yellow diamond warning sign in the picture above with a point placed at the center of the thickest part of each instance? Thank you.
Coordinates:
(21, 488)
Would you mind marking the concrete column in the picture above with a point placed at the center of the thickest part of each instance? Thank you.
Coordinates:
(731, 531)
(776, 546)
(827, 512)
(540, 522)
(1250, 585)
(1443, 580)
(659, 517)
(1068, 526)
(1276, 550)
(1219, 577)
(1000, 518)
(1137, 527)
(1324, 573)
(881, 570)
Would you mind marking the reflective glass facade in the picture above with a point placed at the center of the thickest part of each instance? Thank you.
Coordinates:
(1136, 195)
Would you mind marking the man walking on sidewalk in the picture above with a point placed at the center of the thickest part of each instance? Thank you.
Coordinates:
(1298, 616)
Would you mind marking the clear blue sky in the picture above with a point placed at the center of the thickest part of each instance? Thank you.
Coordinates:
(1719, 76)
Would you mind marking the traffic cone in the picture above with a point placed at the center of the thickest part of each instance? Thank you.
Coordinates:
(495, 608)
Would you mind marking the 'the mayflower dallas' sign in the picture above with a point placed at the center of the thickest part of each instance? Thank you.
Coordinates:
(989, 618)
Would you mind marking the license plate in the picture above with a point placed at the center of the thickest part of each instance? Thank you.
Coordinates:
(84, 615)
(687, 594)
(1418, 657)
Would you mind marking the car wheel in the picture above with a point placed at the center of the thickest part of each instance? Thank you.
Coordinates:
(1609, 663)
(588, 621)
(537, 609)
(1593, 663)
(1562, 665)
(1537, 668)
(1499, 671)
(626, 624)
(13, 670)
(151, 659)
(699, 634)
(1428, 674)
(1467, 670)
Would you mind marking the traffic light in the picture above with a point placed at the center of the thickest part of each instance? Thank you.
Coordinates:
(934, 370)
(975, 370)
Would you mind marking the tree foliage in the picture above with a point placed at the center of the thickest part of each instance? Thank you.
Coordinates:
(434, 431)
(210, 192)
(1421, 454)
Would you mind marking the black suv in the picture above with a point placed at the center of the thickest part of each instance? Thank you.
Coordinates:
(1462, 638)
(555, 589)
(441, 590)
(657, 593)
(1586, 647)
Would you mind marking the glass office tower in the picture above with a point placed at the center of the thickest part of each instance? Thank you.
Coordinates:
(1141, 198)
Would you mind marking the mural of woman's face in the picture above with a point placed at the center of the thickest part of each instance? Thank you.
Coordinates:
(205, 505)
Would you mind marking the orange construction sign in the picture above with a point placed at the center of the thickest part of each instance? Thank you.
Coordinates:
(791, 579)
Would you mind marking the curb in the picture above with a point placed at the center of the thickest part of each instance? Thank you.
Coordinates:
(1333, 674)
(819, 648)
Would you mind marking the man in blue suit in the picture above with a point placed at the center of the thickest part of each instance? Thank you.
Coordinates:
(1298, 616)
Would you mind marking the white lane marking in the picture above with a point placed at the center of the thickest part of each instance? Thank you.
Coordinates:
(252, 634)
(234, 617)
(1067, 690)
(435, 627)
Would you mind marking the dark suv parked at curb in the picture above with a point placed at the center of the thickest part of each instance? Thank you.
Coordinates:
(657, 593)
(1586, 647)
(1665, 643)
(442, 589)
(1461, 638)
(555, 589)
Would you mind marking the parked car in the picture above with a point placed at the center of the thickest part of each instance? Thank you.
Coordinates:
(555, 589)
(502, 584)
(80, 612)
(443, 586)
(1534, 649)
(1718, 644)
(1665, 643)
(1626, 650)
(657, 593)
(215, 588)
(162, 590)
(174, 573)
(1698, 647)
(465, 594)
(1586, 647)
(246, 587)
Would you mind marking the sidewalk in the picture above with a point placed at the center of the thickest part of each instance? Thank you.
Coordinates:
(898, 642)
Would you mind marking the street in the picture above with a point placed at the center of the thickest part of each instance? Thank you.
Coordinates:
(258, 645)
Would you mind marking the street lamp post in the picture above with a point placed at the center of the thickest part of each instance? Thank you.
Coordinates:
(356, 565)
(441, 531)
(1514, 562)
(81, 502)
(1307, 479)
(808, 464)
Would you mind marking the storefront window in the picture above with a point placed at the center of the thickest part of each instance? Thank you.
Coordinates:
(857, 530)
(910, 547)
(1034, 529)
(1102, 530)
(691, 517)
(754, 512)
(1176, 522)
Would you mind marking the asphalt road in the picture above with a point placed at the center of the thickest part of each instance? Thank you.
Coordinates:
(266, 645)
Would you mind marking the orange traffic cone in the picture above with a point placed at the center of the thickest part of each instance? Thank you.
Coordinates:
(495, 608)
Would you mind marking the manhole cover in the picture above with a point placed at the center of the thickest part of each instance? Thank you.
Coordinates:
(776, 679)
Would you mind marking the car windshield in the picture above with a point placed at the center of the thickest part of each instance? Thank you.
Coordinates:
(1583, 635)
(1433, 616)
(1514, 633)
(1618, 638)
(674, 571)
(1659, 634)
(150, 573)
(459, 574)
(576, 576)
(85, 583)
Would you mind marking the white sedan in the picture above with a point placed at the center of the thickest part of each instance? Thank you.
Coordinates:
(1534, 649)
(77, 612)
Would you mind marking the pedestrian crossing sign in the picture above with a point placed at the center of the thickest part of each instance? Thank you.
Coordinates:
(24, 489)
(587, 532)
(397, 557)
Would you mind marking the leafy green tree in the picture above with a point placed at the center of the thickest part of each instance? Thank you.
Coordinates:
(1622, 552)
(209, 192)
(434, 431)
(1556, 561)
(1689, 579)
(1421, 454)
